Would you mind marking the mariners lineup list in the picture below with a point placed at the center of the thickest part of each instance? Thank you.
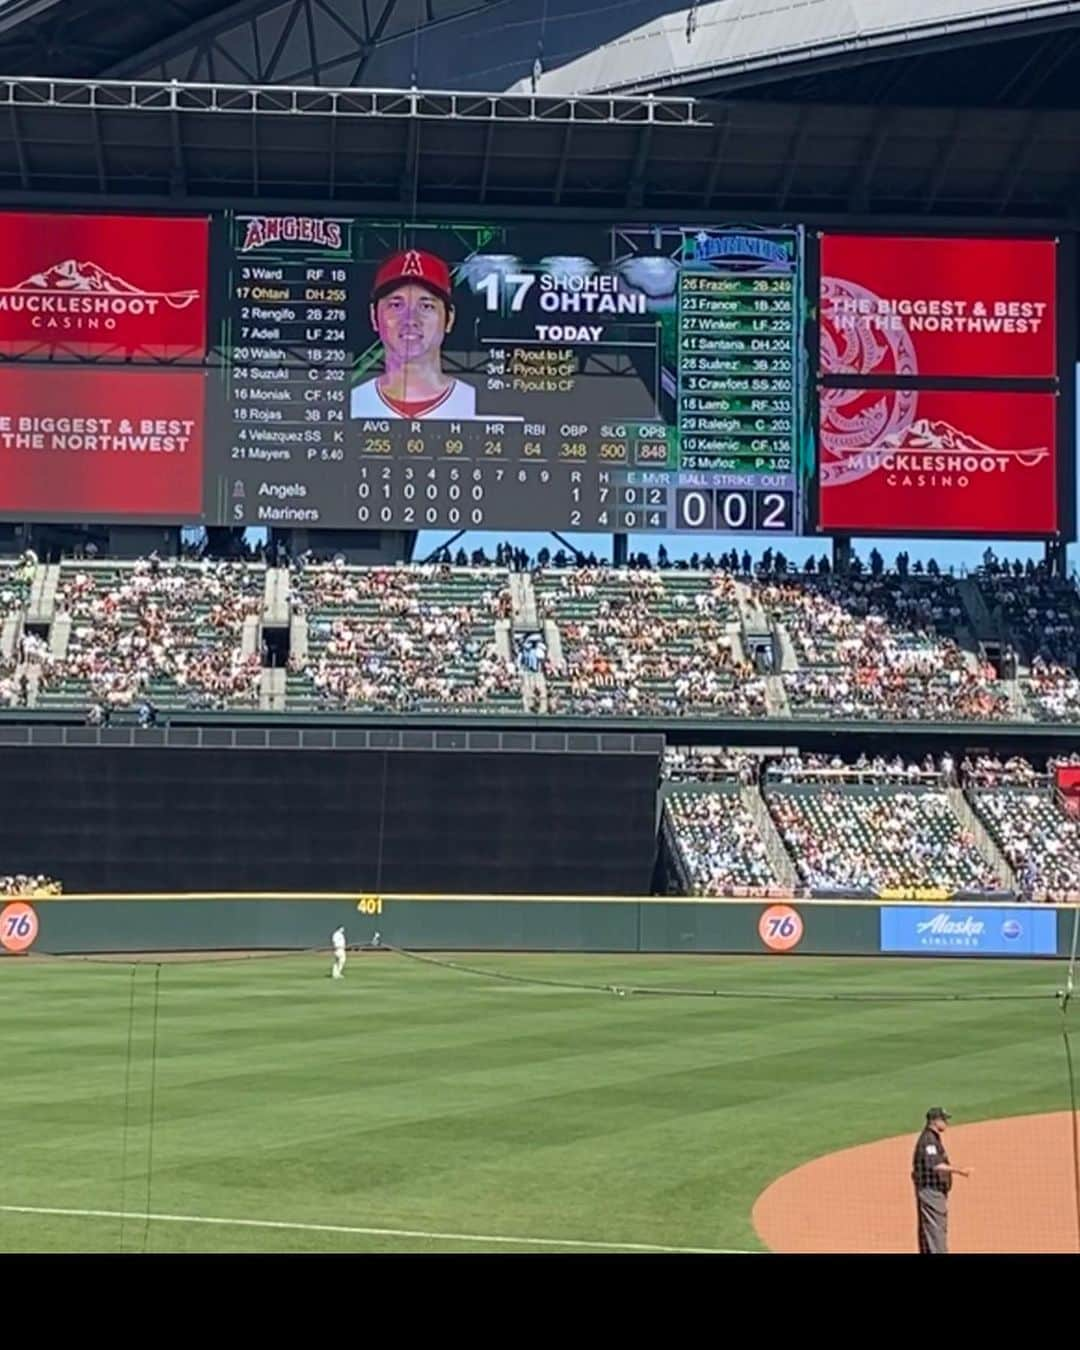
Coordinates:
(316, 437)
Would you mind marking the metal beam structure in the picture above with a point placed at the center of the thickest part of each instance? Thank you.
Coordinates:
(140, 141)
(319, 34)
(984, 52)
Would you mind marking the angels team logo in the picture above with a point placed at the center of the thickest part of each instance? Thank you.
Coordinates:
(81, 296)
(265, 231)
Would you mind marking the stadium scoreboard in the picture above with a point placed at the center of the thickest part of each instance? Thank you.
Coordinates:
(336, 372)
(384, 376)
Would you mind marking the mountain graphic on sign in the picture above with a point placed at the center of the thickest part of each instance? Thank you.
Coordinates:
(928, 434)
(87, 278)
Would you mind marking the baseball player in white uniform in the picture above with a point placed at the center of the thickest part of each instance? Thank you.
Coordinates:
(338, 941)
(412, 310)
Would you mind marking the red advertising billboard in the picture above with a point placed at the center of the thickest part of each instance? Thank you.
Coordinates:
(922, 461)
(101, 443)
(912, 307)
(127, 286)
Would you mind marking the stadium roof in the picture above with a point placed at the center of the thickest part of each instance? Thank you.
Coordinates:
(263, 41)
(130, 141)
(985, 52)
(926, 108)
(731, 43)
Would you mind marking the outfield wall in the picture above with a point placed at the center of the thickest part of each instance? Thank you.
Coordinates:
(72, 924)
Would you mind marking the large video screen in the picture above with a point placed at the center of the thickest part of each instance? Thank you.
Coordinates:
(345, 373)
(367, 374)
(932, 461)
(513, 377)
(928, 307)
(938, 392)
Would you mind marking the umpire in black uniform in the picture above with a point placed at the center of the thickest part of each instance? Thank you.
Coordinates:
(932, 1174)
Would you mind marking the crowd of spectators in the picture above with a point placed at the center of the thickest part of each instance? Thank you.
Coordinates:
(841, 834)
(1041, 614)
(15, 579)
(404, 639)
(1052, 691)
(165, 627)
(722, 850)
(1039, 839)
(20, 885)
(847, 840)
(881, 647)
(983, 770)
(647, 639)
(864, 769)
(635, 644)
(709, 764)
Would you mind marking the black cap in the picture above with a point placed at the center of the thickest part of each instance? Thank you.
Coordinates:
(938, 1113)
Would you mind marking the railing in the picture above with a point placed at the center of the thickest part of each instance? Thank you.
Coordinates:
(312, 100)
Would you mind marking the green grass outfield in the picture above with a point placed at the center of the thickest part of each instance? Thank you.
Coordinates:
(423, 1100)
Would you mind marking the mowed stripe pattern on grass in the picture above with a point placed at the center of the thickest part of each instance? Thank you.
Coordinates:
(413, 1097)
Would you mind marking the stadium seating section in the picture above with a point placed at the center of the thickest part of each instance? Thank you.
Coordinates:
(866, 840)
(719, 843)
(1042, 620)
(647, 643)
(990, 827)
(873, 648)
(171, 633)
(611, 642)
(14, 595)
(410, 640)
(1039, 839)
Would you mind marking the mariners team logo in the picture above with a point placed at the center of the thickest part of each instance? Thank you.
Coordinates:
(73, 294)
(740, 252)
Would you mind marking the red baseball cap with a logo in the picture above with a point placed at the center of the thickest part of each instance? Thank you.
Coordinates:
(413, 266)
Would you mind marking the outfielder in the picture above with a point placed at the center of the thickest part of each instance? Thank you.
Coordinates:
(338, 940)
(412, 310)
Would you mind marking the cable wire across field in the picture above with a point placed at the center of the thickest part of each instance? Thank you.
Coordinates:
(499, 974)
(774, 995)
(1060, 995)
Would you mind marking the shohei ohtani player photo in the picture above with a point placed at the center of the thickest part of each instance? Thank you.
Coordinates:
(412, 310)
